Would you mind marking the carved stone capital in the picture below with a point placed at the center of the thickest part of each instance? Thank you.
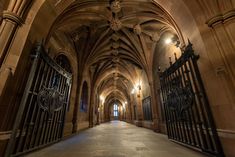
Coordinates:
(137, 29)
(92, 69)
(115, 24)
(115, 45)
(12, 17)
(155, 37)
(115, 37)
(5, 135)
(115, 6)
(221, 18)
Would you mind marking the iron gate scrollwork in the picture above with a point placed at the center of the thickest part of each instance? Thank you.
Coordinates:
(50, 100)
(179, 98)
(41, 115)
(186, 108)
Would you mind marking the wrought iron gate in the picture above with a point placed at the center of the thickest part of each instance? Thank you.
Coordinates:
(187, 111)
(41, 115)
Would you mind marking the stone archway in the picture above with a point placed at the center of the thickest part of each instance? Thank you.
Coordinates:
(186, 17)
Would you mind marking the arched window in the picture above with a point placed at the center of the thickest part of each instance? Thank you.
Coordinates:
(84, 97)
(115, 110)
(63, 61)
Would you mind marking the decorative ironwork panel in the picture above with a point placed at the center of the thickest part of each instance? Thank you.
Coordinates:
(135, 112)
(186, 108)
(41, 115)
(147, 109)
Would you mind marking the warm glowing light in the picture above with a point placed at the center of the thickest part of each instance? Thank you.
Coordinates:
(125, 102)
(101, 98)
(168, 41)
(133, 91)
(124, 106)
(138, 85)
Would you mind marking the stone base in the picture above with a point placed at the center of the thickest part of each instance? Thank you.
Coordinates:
(139, 123)
(147, 124)
(4, 137)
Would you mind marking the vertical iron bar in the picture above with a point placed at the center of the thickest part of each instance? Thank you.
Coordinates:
(174, 114)
(208, 110)
(162, 82)
(176, 117)
(193, 141)
(200, 104)
(51, 128)
(197, 127)
(46, 116)
(42, 118)
(38, 117)
(28, 108)
(191, 108)
(31, 117)
(169, 111)
(183, 125)
(11, 143)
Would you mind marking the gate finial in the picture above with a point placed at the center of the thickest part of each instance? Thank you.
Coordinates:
(189, 42)
(189, 47)
(170, 61)
(175, 56)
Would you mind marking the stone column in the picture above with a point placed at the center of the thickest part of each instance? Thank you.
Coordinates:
(155, 112)
(77, 104)
(131, 108)
(130, 112)
(92, 97)
(99, 112)
(139, 110)
(91, 110)
(12, 18)
(220, 17)
(222, 29)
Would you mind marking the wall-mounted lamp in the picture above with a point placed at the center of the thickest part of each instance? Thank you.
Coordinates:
(168, 41)
(121, 108)
(102, 99)
(172, 40)
(124, 105)
(133, 91)
(139, 89)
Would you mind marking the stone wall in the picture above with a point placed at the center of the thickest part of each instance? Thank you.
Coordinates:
(209, 25)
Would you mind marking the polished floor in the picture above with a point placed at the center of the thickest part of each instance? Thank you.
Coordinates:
(116, 139)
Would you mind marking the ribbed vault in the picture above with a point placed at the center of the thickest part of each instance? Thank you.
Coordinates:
(114, 40)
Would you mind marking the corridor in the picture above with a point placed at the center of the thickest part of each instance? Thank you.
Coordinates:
(116, 139)
(135, 67)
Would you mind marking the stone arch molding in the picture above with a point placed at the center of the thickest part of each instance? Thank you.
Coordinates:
(29, 32)
(70, 60)
(32, 16)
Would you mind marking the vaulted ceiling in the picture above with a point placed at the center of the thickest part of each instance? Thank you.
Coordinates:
(115, 39)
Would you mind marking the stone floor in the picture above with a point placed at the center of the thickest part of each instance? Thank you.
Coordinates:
(116, 139)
